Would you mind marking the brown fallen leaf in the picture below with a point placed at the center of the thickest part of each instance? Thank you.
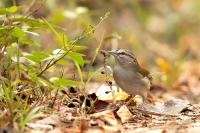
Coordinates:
(111, 129)
(53, 120)
(194, 130)
(107, 116)
(65, 130)
(95, 130)
(100, 105)
(38, 126)
(124, 114)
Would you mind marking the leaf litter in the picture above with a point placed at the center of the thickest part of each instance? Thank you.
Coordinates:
(107, 114)
(145, 117)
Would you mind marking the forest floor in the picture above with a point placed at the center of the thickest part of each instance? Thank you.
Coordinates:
(169, 111)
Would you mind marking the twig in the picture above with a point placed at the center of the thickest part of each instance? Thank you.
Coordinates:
(98, 48)
(108, 81)
(51, 63)
(194, 107)
(34, 11)
(55, 97)
(54, 62)
(30, 6)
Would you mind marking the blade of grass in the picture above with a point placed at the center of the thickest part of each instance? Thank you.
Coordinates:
(60, 39)
(98, 48)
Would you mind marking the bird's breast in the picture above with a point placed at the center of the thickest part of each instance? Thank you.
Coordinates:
(130, 80)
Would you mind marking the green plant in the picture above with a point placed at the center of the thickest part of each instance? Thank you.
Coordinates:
(24, 74)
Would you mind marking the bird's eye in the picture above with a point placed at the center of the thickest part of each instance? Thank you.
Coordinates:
(123, 53)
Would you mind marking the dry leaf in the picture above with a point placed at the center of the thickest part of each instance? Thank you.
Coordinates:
(172, 107)
(53, 120)
(111, 129)
(107, 116)
(105, 93)
(124, 114)
(39, 126)
(194, 130)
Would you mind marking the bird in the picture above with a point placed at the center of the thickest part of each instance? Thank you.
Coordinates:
(129, 75)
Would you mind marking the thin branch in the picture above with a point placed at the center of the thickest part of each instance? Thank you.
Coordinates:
(51, 64)
(55, 61)
(98, 48)
(34, 11)
(30, 6)
(55, 97)
(73, 44)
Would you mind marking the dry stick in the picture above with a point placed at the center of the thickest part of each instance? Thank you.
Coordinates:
(194, 107)
(74, 74)
(29, 7)
(98, 48)
(108, 82)
(34, 11)
(55, 97)
(95, 56)
(73, 44)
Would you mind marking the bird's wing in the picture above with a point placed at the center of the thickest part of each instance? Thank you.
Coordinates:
(145, 73)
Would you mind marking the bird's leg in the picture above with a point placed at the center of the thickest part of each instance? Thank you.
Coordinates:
(135, 100)
(130, 99)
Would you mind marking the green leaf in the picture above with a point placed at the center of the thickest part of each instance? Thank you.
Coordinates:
(33, 74)
(37, 56)
(17, 32)
(78, 57)
(56, 54)
(64, 82)
(45, 83)
(79, 71)
(28, 42)
(62, 62)
(33, 58)
(31, 22)
(12, 9)
(12, 50)
(29, 116)
(61, 37)
(4, 28)
(9, 10)
(58, 51)
(31, 32)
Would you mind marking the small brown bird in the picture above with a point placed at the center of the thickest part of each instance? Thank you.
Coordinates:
(129, 75)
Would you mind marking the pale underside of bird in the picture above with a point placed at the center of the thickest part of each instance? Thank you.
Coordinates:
(129, 75)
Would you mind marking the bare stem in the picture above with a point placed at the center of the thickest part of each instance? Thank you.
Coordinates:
(51, 62)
